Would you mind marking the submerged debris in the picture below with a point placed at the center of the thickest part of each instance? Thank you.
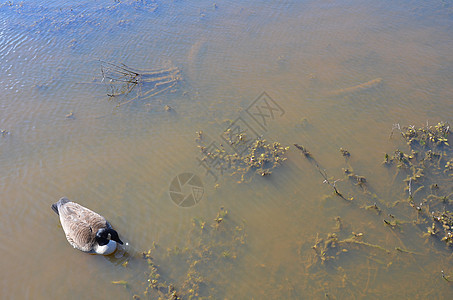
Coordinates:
(121, 282)
(357, 88)
(122, 80)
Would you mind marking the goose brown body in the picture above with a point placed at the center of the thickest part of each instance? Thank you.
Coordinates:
(80, 225)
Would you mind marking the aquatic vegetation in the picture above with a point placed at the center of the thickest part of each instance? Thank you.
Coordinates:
(345, 152)
(303, 123)
(373, 207)
(424, 170)
(186, 272)
(445, 222)
(428, 136)
(356, 179)
(303, 150)
(259, 156)
(332, 246)
(449, 167)
(428, 165)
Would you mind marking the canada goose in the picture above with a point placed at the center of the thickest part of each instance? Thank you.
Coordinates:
(86, 230)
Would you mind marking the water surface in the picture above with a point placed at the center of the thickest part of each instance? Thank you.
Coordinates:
(120, 161)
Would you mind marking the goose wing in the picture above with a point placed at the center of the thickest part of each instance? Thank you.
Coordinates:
(80, 224)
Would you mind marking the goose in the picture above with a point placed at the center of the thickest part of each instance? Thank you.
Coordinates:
(86, 230)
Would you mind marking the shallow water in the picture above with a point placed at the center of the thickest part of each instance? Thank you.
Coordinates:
(120, 161)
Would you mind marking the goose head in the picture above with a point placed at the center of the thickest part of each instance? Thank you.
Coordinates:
(106, 241)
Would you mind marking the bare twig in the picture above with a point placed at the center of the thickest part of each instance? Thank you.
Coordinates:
(122, 80)
(395, 126)
(320, 170)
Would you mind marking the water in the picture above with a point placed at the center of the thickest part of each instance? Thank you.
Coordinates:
(120, 161)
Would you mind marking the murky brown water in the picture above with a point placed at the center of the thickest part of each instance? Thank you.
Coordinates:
(120, 161)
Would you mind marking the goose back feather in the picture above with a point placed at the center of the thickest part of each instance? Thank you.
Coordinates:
(80, 225)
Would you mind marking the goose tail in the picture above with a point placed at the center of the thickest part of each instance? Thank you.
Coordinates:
(55, 208)
(60, 202)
